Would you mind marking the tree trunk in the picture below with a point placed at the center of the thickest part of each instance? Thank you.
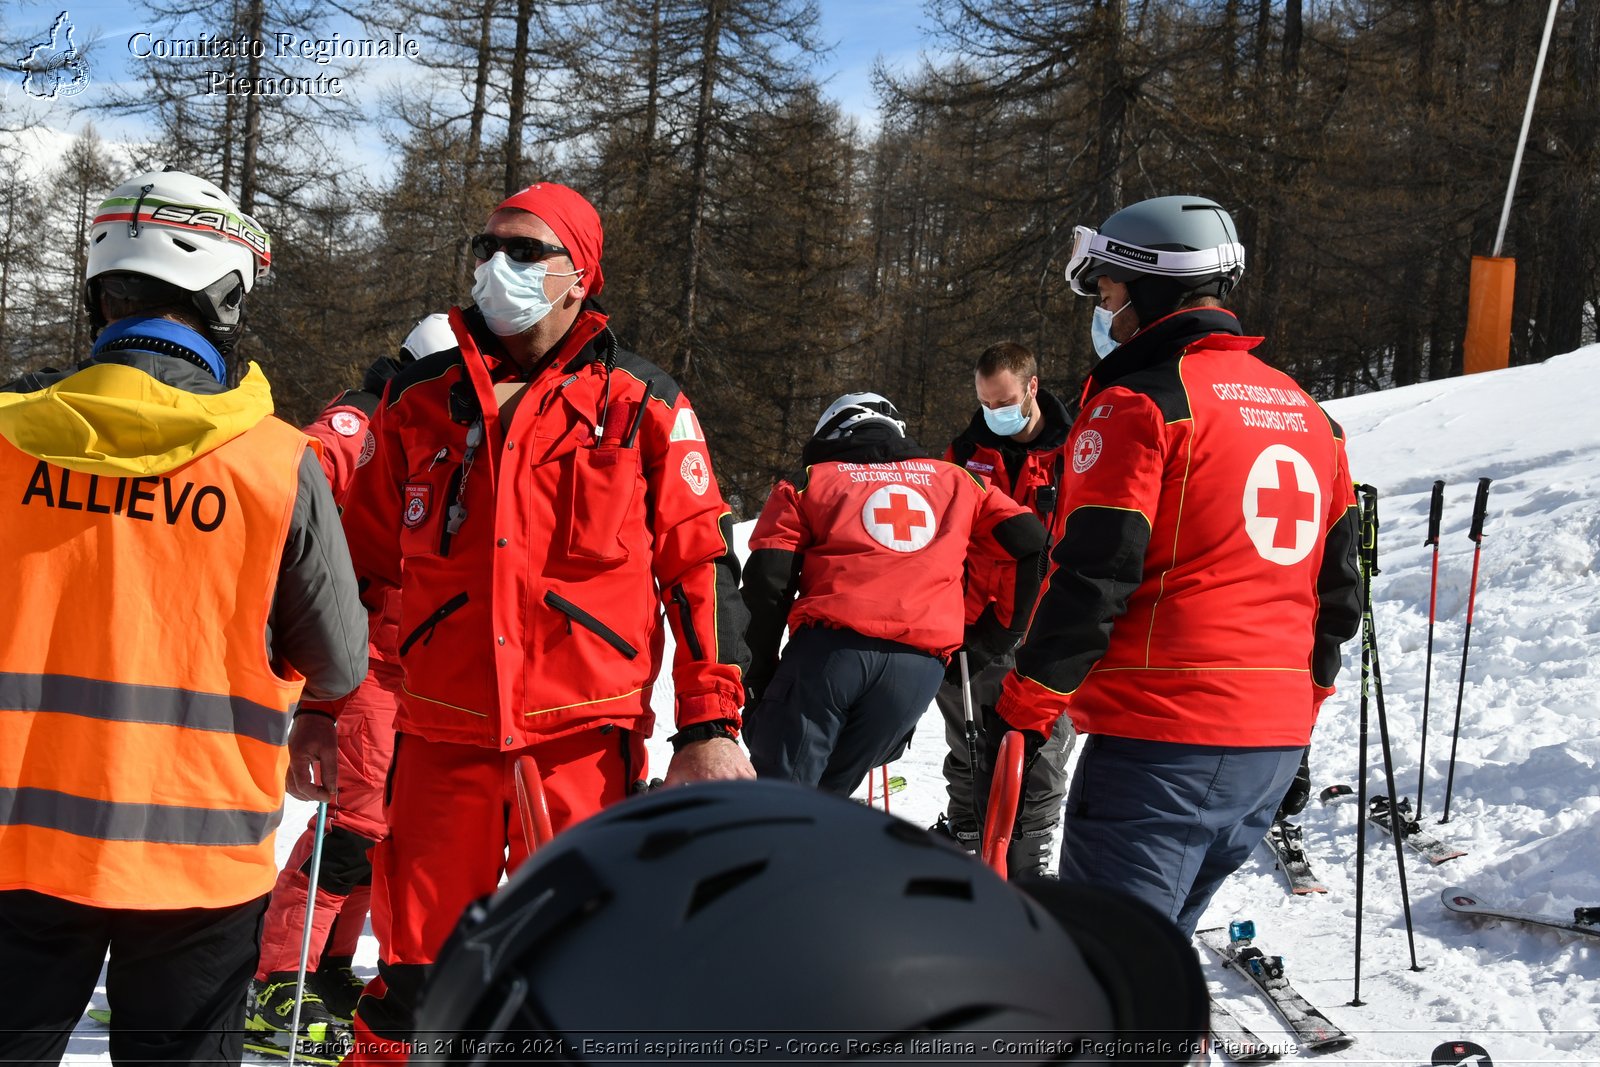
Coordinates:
(699, 169)
(1113, 109)
(252, 116)
(519, 89)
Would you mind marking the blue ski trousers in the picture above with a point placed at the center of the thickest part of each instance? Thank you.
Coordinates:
(839, 705)
(1168, 822)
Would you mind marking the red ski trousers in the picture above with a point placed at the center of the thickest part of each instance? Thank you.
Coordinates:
(454, 830)
(355, 824)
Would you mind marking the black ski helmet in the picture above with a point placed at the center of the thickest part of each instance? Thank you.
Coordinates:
(749, 912)
(1167, 250)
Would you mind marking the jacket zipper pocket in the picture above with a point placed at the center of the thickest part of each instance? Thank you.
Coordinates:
(424, 633)
(680, 597)
(600, 629)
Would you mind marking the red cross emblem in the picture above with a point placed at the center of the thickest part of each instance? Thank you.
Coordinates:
(897, 517)
(696, 473)
(1282, 499)
(1288, 503)
(901, 516)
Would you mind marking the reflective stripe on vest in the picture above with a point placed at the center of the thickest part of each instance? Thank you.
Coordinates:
(142, 728)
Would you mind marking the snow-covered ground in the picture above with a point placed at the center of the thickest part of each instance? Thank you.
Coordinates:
(1526, 804)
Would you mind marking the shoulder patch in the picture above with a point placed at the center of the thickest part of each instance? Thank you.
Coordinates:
(686, 426)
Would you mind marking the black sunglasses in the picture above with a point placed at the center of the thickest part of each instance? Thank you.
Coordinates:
(517, 249)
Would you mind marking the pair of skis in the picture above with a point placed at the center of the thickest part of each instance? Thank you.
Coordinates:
(1413, 836)
(1313, 1030)
(1235, 947)
(1286, 842)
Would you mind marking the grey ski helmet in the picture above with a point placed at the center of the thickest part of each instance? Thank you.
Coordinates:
(852, 411)
(766, 920)
(1188, 242)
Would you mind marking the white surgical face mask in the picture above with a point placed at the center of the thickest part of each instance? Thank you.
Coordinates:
(1006, 421)
(1100, 330)
(511, 295)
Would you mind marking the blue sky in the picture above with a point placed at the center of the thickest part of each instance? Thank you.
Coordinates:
(859, 31)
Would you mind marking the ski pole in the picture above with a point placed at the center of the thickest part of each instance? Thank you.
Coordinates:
(305, 933)
(531, 803)
(1396, 827)
(972, 738)
(1368, 556)
(1480, 508)
(885, 770)
(1005, 792)
(1435, 512)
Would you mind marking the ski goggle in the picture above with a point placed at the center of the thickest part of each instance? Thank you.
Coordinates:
(517, 249)
(1091, 250)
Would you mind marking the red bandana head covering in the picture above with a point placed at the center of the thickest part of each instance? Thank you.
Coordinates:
(574, 220)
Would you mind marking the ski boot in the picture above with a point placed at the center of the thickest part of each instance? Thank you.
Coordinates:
(339, 986)
(943, 827)
(269, 1015)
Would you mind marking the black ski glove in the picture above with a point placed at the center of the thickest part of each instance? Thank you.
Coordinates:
(995, 728)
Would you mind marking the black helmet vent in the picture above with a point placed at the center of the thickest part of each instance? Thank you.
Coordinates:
(709, 890)
(939, 887)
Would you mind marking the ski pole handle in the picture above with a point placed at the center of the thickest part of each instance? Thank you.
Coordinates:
(1435, 513)
(1480, 508)
(1369, 526)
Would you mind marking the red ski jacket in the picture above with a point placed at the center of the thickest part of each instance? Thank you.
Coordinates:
(1028, 473)
(344, 431)
(880, 549)
(534, 559)
(1204, 573)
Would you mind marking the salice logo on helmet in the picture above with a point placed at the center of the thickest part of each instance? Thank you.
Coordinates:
(226, 223)
(54, 67)
(899, 517)
(1282, 502)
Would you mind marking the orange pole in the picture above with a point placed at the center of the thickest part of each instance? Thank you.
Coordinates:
(1488, 342)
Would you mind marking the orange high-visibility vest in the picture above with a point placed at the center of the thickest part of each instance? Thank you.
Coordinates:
(143, 731)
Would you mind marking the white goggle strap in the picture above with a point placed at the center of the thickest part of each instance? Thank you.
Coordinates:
(1089, 246)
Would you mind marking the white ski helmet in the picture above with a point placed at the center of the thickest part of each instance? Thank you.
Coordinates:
(432, 334)
(182, 230)
(853, 411)
(1188, 239)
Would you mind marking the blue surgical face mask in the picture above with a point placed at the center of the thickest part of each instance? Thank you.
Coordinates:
(511, 295)
(1100, 330)
(1006, 421)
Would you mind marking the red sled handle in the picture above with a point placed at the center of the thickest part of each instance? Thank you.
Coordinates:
(1005, 791)
(535, 810)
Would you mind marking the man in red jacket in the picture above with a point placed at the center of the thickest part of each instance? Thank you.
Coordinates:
(870, 545)
(1204, 574)
(1017, 442)
(538, 495)
(366, 745)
